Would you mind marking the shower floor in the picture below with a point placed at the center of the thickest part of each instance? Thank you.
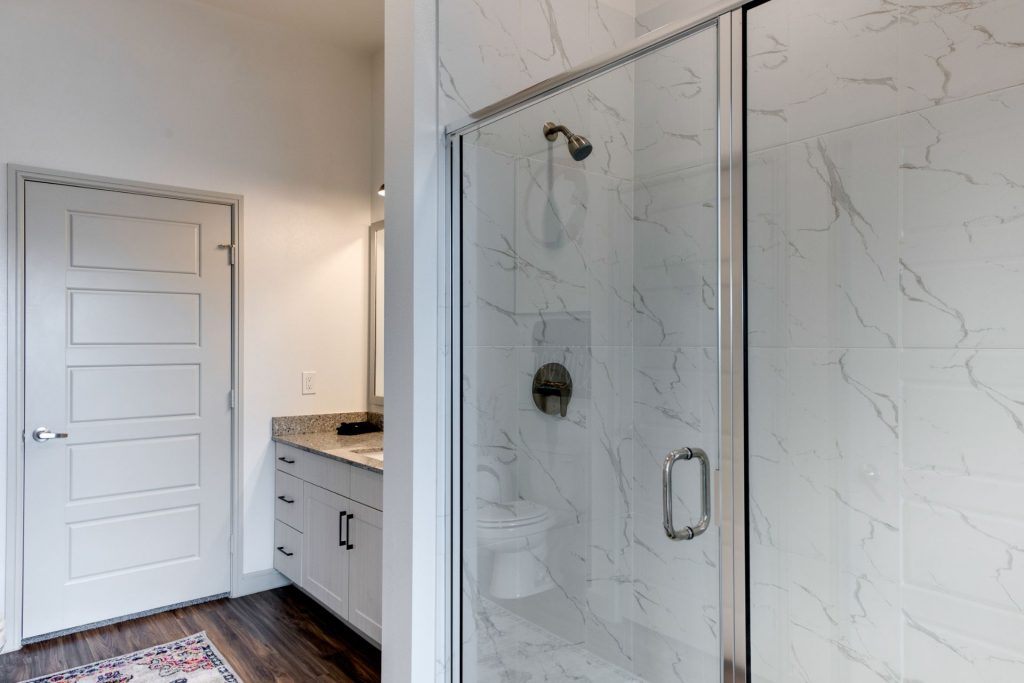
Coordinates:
(514, 650)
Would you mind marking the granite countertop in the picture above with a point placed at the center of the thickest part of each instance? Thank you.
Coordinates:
(362, 450)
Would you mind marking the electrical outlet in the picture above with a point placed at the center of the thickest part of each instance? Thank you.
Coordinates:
(308, 383)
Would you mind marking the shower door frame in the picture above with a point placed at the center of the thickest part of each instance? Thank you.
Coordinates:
(728, 17)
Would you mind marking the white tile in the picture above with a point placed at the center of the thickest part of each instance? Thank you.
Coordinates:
(963, 412)
(610, 25)
(947, 638)
(480, 57)
(675, 242)
(488, 248)
(675, 405)
(676, 104)
(969, 555)
(514, 649)
(820, 67)
(573, 256)
(769, 72)
(962, 249)
(554, 36)
(953, 50)
(823, 256)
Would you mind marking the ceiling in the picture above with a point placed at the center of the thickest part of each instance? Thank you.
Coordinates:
(356, 23)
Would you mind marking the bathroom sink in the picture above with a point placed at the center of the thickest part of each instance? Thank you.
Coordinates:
(376, 453)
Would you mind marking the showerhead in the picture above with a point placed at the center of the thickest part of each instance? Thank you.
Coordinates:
(579, 147)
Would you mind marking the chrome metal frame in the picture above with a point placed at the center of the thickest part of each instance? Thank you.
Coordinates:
(728, 16)
(452, 154)
(648, 42)
(732, 348)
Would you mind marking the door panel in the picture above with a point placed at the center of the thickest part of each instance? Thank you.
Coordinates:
(325, 566)
(133, 318)
(366, 589)
(123, 393)
(128, 351)
(609, 267)
(142, 244)
(113, 469)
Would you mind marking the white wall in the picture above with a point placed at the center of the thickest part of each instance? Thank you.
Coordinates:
(175, 92)
(377, 153)
(413, 512)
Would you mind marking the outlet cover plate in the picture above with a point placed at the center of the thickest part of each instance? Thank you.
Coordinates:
(308, 383)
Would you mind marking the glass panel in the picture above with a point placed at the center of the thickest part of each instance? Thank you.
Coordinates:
(601, 272)
(886, 342)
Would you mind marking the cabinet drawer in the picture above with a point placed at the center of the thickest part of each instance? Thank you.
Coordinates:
(367, 488)
(326, 473)
(288, 504)
(288, 551)
(288, 459)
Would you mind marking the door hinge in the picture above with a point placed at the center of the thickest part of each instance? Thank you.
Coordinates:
(232, 248)
(231, 399)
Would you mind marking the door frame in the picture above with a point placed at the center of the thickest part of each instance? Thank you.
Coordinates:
(14, 531)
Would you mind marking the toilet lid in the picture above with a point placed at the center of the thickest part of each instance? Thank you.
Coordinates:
(516, 513)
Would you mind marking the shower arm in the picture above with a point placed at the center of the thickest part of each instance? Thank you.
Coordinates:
(551, 131)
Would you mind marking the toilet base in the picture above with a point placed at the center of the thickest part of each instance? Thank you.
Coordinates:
(519, 574)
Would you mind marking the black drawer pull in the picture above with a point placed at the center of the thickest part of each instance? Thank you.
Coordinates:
(341, 528)
(287, 500)
(348, 533)
(286, 460)
(284, 552)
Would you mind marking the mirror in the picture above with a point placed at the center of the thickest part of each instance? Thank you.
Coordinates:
(375, 384)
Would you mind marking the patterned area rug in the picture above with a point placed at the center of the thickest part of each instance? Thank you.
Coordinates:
(189, 660)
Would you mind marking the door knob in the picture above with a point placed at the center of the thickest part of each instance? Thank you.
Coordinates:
(42, 434)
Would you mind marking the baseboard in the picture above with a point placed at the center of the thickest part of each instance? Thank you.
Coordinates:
(257, 582)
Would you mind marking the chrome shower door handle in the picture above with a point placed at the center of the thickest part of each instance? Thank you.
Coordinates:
(687, 532)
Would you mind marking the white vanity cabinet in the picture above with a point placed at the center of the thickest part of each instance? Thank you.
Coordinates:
(328, 534)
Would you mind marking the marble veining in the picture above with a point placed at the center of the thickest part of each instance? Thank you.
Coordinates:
(886, 366)
(886, 393)
(510, 648)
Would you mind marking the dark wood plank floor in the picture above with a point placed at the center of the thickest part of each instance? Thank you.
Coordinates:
(279, 636)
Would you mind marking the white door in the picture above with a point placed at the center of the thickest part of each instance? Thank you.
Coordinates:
(128, 352)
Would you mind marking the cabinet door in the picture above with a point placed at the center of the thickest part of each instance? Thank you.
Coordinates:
(365, 586)
(325, 566)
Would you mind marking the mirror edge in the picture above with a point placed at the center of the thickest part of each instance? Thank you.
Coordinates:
(374, 398)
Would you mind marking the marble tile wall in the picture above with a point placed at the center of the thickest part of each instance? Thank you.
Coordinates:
(490, 49)
(885, 244)
(886, 266)
(547, 277)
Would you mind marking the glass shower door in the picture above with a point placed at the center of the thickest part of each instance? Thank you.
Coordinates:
(587, 242)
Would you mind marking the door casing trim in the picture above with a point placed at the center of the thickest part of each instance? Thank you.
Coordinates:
(17, 176)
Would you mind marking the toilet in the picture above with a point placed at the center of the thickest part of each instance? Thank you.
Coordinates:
(516, 534)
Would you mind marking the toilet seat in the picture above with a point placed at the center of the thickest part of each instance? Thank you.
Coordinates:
(519, 513)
